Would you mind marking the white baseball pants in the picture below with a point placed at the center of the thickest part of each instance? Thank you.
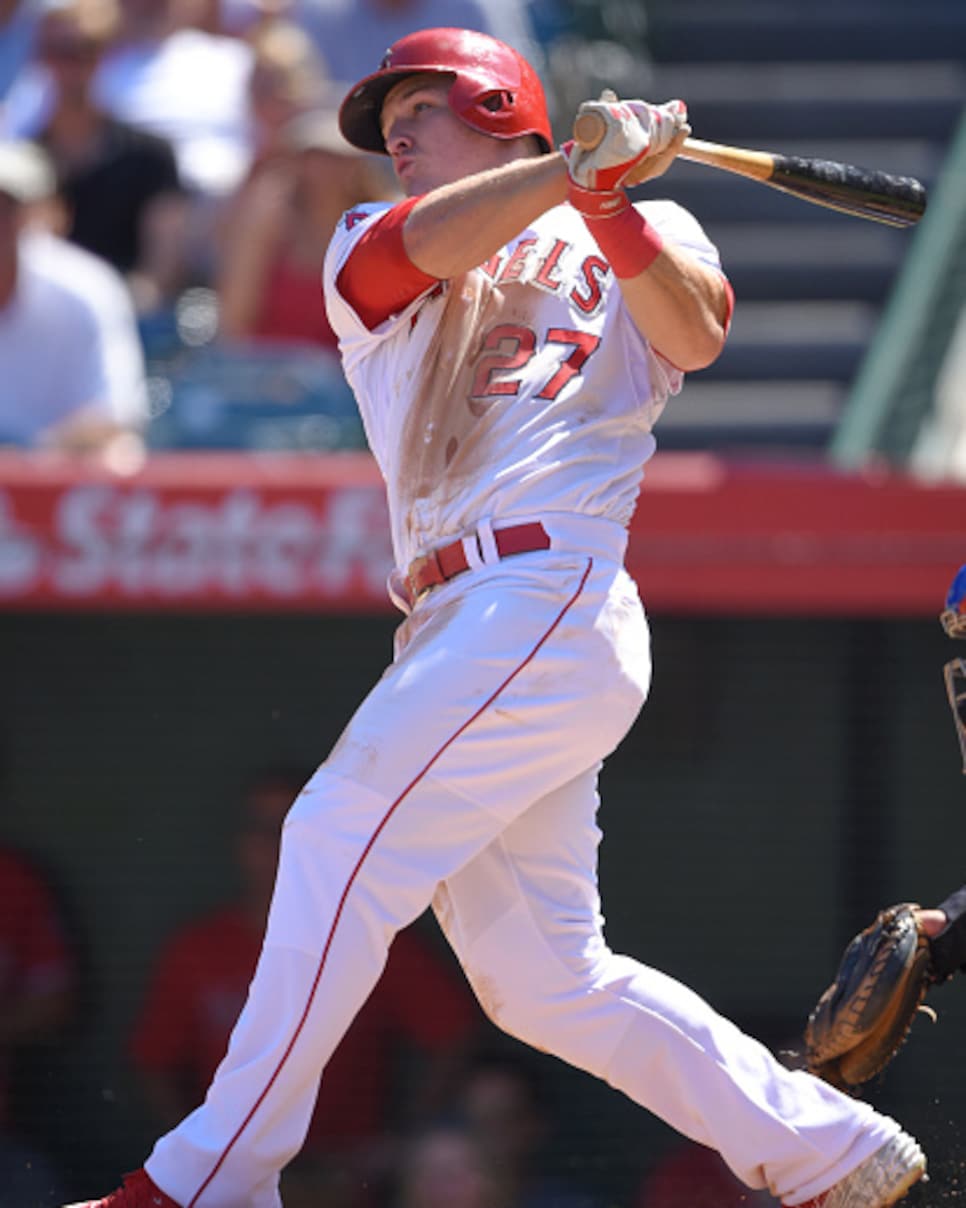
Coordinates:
(468, 778)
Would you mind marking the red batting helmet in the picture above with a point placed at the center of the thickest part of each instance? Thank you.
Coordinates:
(495, 91)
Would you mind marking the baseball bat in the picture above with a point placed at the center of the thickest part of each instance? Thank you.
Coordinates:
(898, 201)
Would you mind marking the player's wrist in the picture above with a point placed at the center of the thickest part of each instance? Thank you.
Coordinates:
(628, 241)
(597, 203)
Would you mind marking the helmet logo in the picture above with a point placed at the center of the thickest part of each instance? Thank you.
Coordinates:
(386, 59)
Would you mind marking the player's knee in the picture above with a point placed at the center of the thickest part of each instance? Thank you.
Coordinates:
(507, 1006)
(528, 1008)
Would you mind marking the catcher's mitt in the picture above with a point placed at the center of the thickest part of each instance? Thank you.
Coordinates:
(862, 1019)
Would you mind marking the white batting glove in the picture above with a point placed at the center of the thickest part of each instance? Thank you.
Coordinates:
(633, 131)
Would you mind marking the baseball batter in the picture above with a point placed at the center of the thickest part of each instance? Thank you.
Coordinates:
(512, 331)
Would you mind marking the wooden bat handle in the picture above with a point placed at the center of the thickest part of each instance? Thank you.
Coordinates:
(757, 164)
(589, 130)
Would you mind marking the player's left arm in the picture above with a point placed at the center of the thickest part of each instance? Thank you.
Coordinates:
(681, 307)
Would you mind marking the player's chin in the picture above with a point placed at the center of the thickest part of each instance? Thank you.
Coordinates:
(418, 183)
(416, 178)
(406, 173)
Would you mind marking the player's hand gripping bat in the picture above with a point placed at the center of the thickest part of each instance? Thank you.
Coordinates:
(898, 201)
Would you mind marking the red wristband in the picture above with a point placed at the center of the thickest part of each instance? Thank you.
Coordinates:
(627, 240)
(597, 203)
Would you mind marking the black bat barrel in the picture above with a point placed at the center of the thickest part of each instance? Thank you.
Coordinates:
(897, 200)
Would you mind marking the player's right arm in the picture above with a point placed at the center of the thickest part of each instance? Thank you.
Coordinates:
(455, 227)
(446, 232)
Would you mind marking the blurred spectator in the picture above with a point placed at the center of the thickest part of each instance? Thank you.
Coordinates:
(287, 79)
(502, 1103)
(184, 84)
(120, 184)
(18, 23)
(73, 370)
(693, 1176)
(204, 15)
(161, 75)
(278, 227)
(37, 983)
(588, 47)
(551, 19)
(419, 1010)
(246, 18)
(445, 1167)
(352, 35)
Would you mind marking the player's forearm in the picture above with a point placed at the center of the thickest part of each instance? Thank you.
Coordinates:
(680, 307)
(949, 948)
(453, 229)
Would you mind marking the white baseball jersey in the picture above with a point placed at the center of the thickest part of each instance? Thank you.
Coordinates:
(529, 365)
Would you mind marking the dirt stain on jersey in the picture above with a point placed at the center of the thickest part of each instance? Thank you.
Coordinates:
(487, 991)
(447, 432)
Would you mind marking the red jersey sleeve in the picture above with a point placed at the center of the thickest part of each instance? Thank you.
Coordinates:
(378, 279)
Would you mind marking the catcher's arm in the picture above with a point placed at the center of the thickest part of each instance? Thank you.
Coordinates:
(948, 942)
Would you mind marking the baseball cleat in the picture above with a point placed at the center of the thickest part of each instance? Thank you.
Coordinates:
(880, 1180)
(138, 1192)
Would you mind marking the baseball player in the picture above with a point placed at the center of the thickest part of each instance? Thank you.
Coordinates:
(512, 330)
(865, 1014)
(945, 924)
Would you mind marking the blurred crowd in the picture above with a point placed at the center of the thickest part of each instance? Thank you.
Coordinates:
(170, 174)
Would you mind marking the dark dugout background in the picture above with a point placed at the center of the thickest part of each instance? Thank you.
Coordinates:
(786, 779)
